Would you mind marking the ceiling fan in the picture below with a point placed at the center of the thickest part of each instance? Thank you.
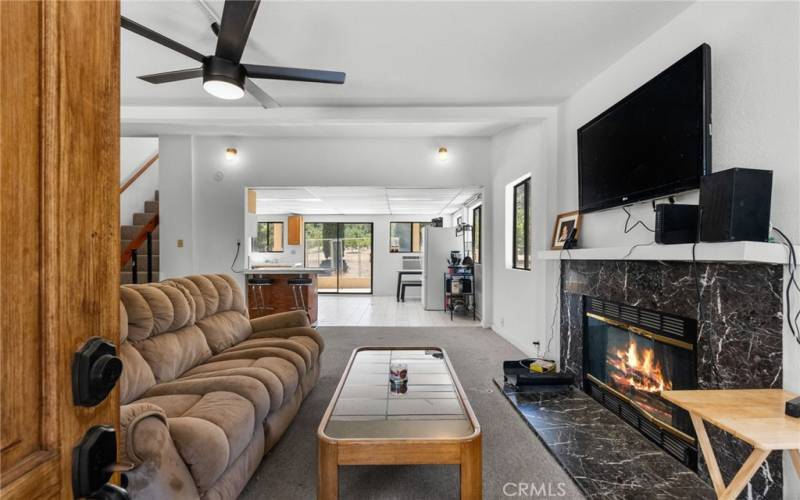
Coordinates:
(224, 76)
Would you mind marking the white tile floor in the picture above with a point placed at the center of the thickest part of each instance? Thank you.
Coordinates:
(369, 310)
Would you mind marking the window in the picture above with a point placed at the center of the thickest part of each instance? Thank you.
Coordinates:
(476, 234)
(406, 237)
(520, 258)
(269, 237)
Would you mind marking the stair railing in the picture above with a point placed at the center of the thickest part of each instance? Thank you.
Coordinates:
(130, 253)
(125, 185)
(145, 235)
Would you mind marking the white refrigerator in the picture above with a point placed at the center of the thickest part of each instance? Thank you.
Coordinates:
(437, 243)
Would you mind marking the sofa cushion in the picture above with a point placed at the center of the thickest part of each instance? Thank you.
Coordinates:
(264, 352)
(292, 344)
(224, 329)
(279, 376)
(171, 354)
(212, 433)
(136, 377)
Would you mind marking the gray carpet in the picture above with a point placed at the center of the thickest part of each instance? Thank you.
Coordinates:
(511, 451)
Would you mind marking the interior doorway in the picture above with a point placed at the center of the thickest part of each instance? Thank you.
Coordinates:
(346, 248)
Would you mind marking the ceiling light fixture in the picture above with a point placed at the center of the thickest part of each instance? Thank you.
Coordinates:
(223, 79)
(442, 153)
(231, 153)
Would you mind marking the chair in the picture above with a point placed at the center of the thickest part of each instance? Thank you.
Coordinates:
(297, 285)
(408, 283)
(257, 284)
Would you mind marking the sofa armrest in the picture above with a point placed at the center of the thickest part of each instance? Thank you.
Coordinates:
(159, 471)
(246, 387)
(281, 320)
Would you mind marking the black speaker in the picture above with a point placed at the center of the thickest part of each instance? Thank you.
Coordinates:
(735, 205)
(676, 223)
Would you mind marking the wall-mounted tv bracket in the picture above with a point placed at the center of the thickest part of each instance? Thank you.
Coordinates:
(95, 370)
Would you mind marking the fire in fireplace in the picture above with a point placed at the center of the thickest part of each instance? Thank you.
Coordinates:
(630, 356)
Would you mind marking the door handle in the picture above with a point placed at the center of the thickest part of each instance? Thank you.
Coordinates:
(95, 370)
(94, 460)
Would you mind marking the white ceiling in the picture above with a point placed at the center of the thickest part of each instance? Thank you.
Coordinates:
(400, 53)
(348, 200)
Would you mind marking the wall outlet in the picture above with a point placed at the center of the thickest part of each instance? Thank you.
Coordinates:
(180, 243)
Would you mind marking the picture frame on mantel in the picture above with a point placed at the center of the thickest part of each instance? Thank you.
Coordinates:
(565, 223)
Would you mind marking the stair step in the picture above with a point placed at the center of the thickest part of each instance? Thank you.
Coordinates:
(151, 207)
(142, 261)
(124, 244)
(126, 277)
(141, 219)
(130, 232)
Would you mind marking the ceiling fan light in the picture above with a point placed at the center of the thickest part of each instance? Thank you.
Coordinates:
(223, 90)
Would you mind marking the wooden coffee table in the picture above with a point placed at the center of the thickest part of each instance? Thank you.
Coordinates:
(431, 422)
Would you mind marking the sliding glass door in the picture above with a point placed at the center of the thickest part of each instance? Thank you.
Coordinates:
(346, 249)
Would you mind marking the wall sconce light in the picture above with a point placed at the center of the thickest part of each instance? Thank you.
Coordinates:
(231, 153)
(442, 153)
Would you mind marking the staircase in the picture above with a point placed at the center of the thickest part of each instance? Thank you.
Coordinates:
(130, 233)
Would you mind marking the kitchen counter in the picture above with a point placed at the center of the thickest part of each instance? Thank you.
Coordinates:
(279, 296)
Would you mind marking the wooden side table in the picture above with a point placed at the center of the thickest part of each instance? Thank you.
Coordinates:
(756, 416)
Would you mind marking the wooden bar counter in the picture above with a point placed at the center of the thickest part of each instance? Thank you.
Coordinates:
(278, 297)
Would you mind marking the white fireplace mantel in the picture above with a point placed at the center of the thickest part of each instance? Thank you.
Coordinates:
(732, 252)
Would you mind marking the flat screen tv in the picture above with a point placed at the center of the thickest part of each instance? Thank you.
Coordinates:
(655, 142)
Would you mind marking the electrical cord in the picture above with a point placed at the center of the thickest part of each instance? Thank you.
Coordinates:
(236, 257)
(792, 321)
(638, 222)
(634, 247)
(557, 307)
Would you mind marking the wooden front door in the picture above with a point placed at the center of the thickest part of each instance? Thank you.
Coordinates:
(59, 225)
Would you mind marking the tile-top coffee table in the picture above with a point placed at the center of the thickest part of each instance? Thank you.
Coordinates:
(430, 421)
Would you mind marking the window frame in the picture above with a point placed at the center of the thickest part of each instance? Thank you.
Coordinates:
(526, 264)
(283, 247)
(477, 221)
(415, 238)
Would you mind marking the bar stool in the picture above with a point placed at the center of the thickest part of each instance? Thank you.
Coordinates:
(297, 285)
(258, 284)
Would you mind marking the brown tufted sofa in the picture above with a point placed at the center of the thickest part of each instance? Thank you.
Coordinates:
(206, 392)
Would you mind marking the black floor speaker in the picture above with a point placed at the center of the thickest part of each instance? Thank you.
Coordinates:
(735, 205)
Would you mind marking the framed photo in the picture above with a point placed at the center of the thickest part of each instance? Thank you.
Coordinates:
(565, 223)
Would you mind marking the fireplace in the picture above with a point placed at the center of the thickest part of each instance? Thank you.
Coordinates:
(630, 356)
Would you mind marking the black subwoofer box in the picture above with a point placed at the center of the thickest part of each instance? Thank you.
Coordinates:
(735, 205)
(676, 223)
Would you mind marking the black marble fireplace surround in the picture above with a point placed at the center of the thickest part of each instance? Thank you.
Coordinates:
(738, 340)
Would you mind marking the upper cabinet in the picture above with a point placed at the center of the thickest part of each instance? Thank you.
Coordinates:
(295, 230)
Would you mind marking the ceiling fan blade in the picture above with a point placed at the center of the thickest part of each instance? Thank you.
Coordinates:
(261, 96)
(294, 74)
(237, 19)
(173, 76)
(161, 39)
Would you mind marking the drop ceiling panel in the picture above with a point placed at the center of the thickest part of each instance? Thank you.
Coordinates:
(350, 200)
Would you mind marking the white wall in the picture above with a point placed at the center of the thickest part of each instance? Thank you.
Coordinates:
(385, 264)
(521, 301)
(755, 54)
(133, 152)
(754, 58)
(176, 205)
(208, 212)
